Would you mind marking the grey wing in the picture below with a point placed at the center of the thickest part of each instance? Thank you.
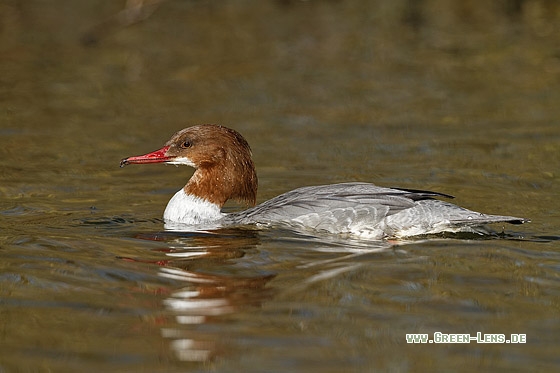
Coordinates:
(334, 208)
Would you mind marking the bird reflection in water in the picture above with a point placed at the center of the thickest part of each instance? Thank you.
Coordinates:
(194, 258)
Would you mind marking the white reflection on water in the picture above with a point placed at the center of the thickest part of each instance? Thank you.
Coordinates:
(205, 297)
(202, 302)
(191, 307)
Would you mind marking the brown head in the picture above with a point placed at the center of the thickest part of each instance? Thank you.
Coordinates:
(221, 158)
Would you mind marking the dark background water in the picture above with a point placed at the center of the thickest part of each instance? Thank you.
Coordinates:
(455, 96)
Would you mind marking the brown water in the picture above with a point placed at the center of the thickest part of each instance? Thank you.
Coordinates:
(458, 97)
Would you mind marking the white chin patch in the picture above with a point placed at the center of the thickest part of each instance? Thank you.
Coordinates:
(182, 161)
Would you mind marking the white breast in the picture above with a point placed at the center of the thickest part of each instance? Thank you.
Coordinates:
(187, 209)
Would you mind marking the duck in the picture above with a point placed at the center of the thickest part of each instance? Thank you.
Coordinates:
(224, 170)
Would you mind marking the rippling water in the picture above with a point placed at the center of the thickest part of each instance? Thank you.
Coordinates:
(460, 99)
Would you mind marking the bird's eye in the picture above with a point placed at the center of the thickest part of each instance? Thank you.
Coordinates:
(186, 144)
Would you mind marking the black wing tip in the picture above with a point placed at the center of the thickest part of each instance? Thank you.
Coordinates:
(518, 221)
(423, 194)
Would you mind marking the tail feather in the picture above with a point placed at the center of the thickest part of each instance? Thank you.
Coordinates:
(488, 219)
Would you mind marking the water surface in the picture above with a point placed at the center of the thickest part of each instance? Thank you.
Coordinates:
(448, 96)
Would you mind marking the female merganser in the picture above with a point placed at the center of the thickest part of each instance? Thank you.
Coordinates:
(224, 169)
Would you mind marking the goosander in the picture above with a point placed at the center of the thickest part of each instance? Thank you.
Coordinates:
(225, 170)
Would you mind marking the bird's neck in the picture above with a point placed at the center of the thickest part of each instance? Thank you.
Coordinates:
(192, 210)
